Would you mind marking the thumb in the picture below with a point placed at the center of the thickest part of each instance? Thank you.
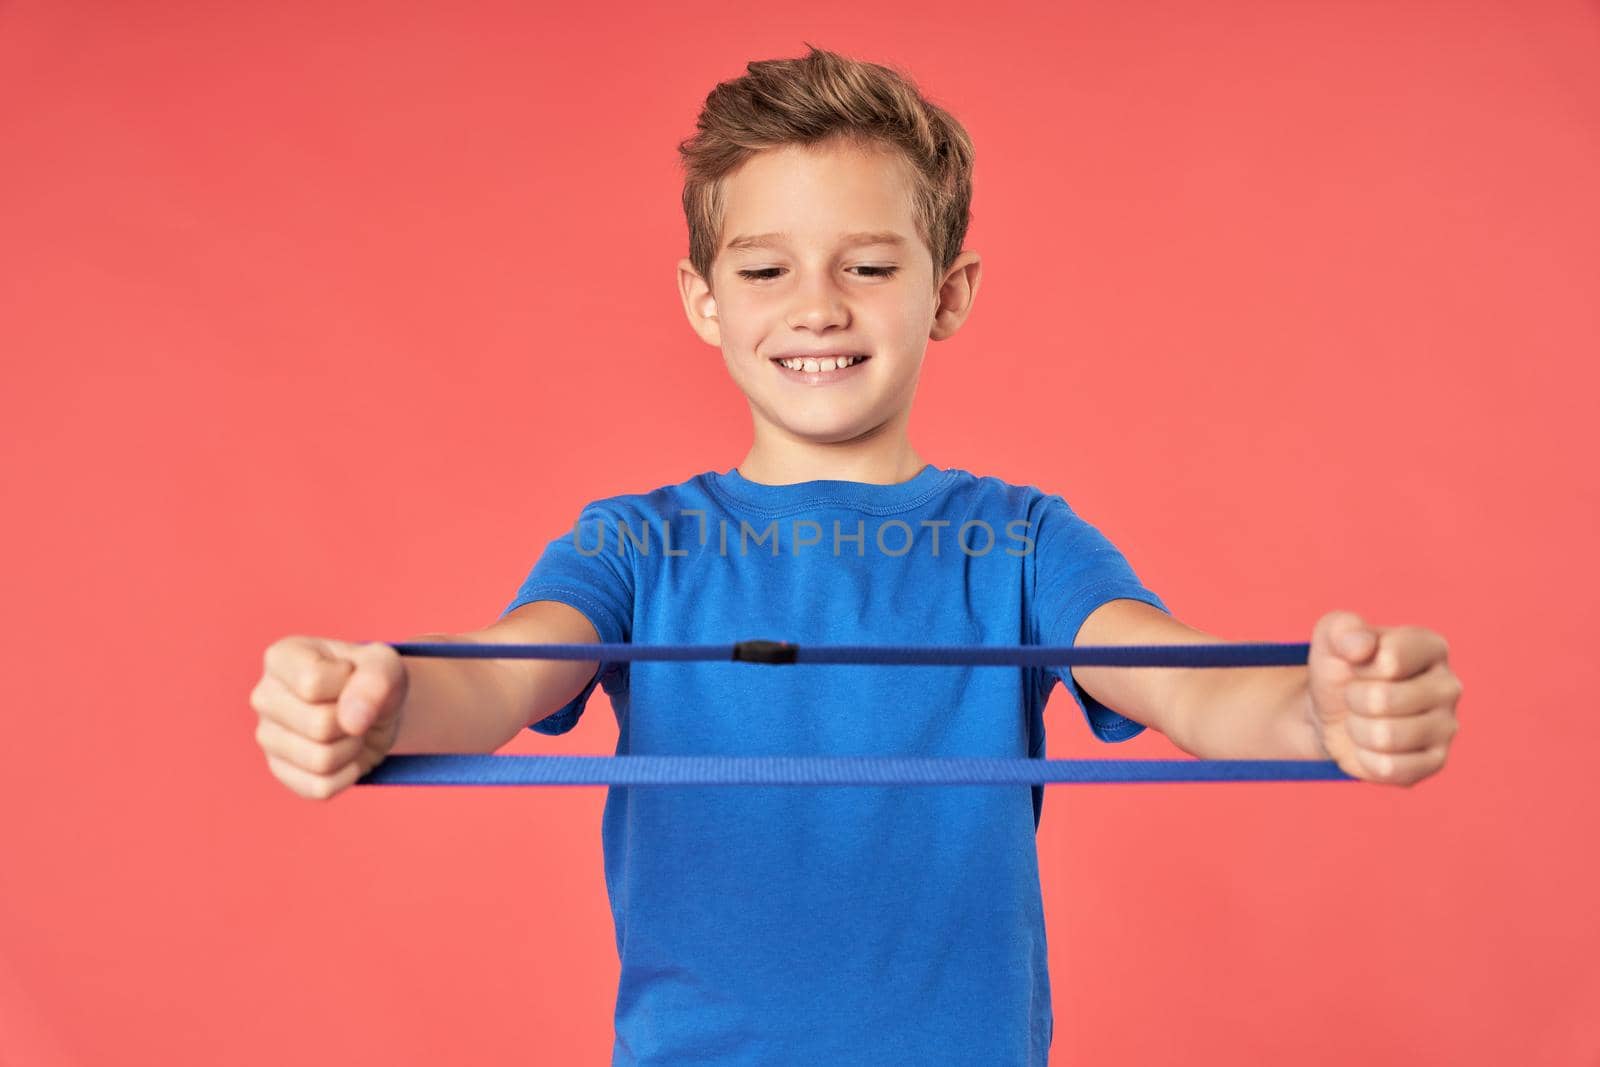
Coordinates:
(1347, 636)
(374, 688)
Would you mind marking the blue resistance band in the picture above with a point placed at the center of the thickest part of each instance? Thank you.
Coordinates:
(478, 769)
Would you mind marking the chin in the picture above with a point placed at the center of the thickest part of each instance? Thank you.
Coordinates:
(836, 433)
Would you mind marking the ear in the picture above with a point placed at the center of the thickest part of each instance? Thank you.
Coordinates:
(699, 304)
(956, 294)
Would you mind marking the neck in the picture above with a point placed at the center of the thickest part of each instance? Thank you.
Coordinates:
(886, 462)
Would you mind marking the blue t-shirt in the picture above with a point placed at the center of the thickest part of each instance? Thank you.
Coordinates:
(833, 925)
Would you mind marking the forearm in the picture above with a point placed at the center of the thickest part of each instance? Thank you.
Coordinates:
(1248, 713)
(457, 705)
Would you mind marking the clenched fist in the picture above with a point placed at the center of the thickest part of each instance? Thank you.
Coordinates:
(1383, 698)
(329, 711)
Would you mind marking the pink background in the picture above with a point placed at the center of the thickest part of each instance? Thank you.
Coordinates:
(326, 321)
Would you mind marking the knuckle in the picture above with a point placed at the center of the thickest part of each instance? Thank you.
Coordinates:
(281, 654)
(267, 695)
(281, 771)
(326, 760)
(308, 680)
(1383, 736)
(325, 725)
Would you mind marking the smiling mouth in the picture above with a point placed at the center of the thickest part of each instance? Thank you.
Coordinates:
(809, 365)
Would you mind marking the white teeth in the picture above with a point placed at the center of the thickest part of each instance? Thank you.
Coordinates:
(824, 364)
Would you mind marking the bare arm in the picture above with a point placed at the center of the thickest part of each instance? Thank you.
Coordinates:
(1209, 712)
(477, 705)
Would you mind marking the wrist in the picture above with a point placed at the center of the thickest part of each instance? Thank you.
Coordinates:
(1305, 728)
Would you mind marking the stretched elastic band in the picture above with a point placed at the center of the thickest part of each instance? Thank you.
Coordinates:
(1243, 654)
(828, 770)
(655, 770)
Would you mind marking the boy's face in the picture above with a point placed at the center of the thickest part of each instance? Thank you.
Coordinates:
(808, 288)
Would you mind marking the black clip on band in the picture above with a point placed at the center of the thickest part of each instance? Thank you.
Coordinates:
(760, 650)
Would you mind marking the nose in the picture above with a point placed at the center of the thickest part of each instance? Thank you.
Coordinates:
(817, 305)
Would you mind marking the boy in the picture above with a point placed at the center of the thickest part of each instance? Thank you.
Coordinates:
(827, 202)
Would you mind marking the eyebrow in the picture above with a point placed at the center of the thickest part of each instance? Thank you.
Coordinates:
(769, 240)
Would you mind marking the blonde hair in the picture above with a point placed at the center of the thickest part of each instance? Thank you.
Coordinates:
(826, 98)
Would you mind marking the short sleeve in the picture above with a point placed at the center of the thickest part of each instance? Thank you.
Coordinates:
(1076, 570)
(587, 568)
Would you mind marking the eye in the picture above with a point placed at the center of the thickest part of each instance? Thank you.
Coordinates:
(763, 274)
